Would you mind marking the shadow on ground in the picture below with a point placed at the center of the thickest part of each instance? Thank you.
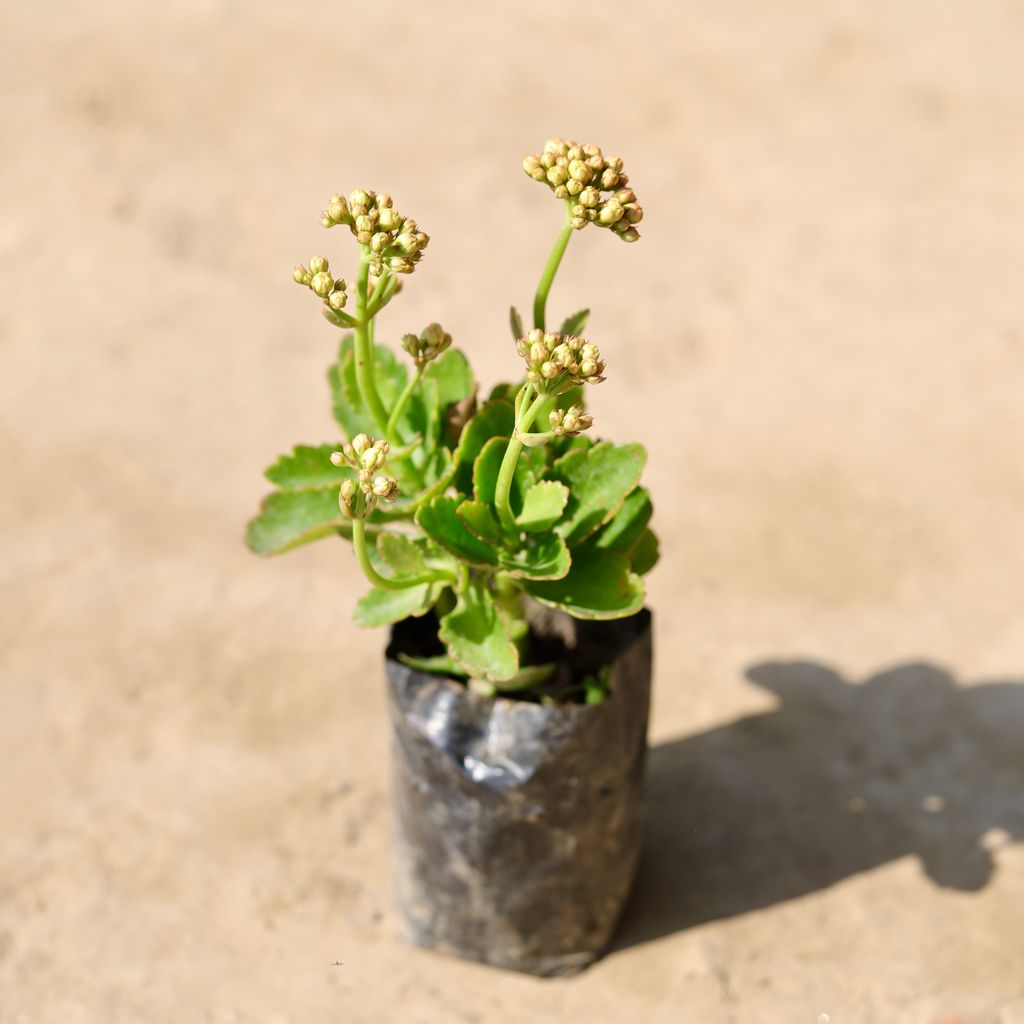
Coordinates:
(838, 779)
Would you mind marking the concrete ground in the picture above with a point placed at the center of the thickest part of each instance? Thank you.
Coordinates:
(819, 336)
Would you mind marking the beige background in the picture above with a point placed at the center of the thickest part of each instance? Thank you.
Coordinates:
(819, 336)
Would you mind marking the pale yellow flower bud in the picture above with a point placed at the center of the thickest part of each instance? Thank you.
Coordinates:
(337, 298)
(347, 498)
(385, 488)
(318, 265)
(322, 284)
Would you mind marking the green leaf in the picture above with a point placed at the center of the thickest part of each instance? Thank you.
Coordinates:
(504, 391)
(452, 375)
(532, 675)
(383, 607)
(476, 637)
(625, 528)
(575, 323)
(515, 321)
(401, 553)
(486, 469)
(598, 479)
(645, 554)
(308, 466)
(542, 557)
(438, 520)
(290, 518)
(481, 520)
(542, 506)
(440, 664)
(495, 419)
(599, 585)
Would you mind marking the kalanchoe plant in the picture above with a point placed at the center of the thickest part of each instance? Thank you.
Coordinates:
(465, 508)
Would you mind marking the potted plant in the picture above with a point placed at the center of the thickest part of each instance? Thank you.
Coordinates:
(504, 548)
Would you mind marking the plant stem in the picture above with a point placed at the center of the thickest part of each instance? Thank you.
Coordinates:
(377, 299)
(365, 357)
(540, 300)
(385, 583)
(392, 426)
(527, 414)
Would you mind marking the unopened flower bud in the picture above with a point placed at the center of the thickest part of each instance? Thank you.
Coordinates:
(318, 265)
(385, 488)
(347, 498)
(557, 175)
(634, 213)
(400, 265)
(570, 422)
(338, 459)
(300, 275)
(322, 284)
(610, 212)
(337, 209)
(389, 219)
(337, 298)
(360, 443)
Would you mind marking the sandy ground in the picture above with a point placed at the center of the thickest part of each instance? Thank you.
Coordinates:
(820, 337)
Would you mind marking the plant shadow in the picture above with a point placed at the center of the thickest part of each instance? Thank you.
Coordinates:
(840, 778)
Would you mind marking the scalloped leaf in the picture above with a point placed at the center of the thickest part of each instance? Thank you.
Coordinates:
(477, 638)
(401, 553)
(598, 479)
(495, 419)
(624, 529)
(645, 553)
(544, 557)
(543, 505)
(308, 465)
(481, 521)
(439, 521)
(289, 518)
(453, 376)
(384, 607)
(600, 585)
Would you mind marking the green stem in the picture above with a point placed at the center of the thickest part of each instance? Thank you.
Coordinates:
(377, 300)
(528, 412)
(540, 301)
(398, 583)
(396, 412)
(364, 352)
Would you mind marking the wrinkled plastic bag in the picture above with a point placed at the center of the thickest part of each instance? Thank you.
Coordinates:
(518, 825)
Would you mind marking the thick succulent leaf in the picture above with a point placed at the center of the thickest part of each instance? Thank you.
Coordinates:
(488, 466)
(560, 446)
(575, 323)
(290, 518)
(495, 419)
(623, 531)
(401, 553)
(308, 466)
(599, 585)
(476, 636)
(543, 505)
(505, 392)
(515, 322)
(532, 675)
(383, 607)
(481, 520)
(542, 557)
(598, 479)
(443, 664)
(439, 521)
(454, 379)
(645, 554)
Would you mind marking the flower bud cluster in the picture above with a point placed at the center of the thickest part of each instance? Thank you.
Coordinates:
(556, 362)
(595, 184)
(570, 422)
(395, 242)
(429, 345)
(366, 456)
(317, 277)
